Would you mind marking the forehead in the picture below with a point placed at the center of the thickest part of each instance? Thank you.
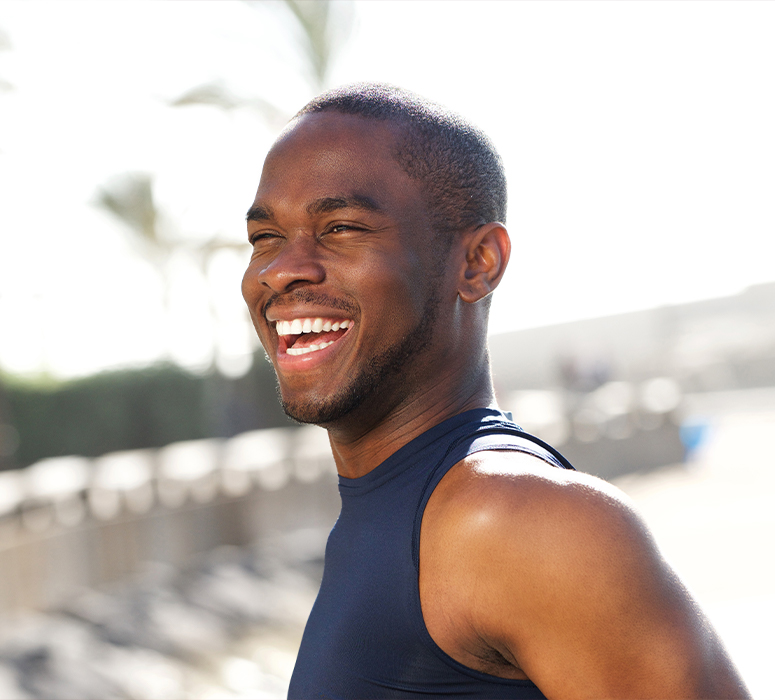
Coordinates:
(328, 152)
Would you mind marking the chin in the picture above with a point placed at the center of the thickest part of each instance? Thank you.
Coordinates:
(377, 379)
(385, 374)
(323, 411)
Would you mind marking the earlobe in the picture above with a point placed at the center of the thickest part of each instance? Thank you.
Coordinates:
(487, 251)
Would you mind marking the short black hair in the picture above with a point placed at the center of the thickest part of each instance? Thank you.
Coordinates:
(460, 172)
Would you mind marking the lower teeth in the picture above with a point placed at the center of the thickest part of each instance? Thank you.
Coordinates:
(309, 348)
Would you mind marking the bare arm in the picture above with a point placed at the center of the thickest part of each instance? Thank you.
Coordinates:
(554, 573)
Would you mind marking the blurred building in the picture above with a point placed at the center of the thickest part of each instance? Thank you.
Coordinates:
(710, 345)
(626, 393)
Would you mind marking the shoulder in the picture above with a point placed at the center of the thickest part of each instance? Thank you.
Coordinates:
(555, 571)
(509, 514)
(501, 515)
(564, 535)
(510, 495)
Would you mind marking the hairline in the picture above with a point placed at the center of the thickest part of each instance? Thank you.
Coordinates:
(400, 123)
(407, 133)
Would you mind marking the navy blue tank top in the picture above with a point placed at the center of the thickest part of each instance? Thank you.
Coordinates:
(366, 637)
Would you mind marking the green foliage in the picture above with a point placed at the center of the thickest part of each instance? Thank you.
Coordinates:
(130, 199)
(135, 409)
(316, 31)
(317, 37)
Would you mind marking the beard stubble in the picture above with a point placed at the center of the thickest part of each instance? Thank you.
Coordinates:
(377, 373)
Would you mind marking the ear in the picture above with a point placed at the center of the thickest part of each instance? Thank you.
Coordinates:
(487, 251)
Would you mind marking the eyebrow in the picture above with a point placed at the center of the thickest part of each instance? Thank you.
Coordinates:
(259, 212)
(324, 205)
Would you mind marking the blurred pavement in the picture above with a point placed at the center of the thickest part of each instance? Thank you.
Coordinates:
(228, 625)
(714, 519)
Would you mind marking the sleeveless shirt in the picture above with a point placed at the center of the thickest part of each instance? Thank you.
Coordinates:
(366, 637)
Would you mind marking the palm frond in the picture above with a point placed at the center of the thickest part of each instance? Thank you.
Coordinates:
(130, 199)
(214, 93)
(314, 20)
(217, 94)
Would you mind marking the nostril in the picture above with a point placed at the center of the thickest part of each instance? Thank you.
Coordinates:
(293, 266)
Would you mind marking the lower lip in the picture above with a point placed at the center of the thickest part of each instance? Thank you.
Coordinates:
(309, 360)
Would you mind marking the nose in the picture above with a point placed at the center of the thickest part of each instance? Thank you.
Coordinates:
(296, 263)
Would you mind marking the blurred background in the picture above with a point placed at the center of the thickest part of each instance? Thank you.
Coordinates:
(161, 522)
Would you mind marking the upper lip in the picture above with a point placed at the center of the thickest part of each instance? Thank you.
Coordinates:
(291, 314)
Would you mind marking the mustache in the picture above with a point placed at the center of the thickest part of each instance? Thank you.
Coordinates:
(308, 296)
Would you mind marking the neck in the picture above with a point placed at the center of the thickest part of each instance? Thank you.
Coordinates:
(363, 441)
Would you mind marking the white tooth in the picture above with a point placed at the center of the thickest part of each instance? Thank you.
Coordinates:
(295, 328)
(327, 326)
(335, 327)
(286, 327)
(306, 326)
(309, 348)
(317, 326)
(344, 324)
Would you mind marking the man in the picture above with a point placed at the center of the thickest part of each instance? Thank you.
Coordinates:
(467, 561)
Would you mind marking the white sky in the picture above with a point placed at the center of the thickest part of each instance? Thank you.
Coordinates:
(637, 138)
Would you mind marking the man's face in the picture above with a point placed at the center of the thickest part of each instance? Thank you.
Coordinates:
(344, 284)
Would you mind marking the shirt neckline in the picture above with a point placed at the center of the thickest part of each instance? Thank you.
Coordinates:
(403, 458)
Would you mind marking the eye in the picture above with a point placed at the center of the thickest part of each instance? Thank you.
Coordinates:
(344, 228)
(262, 237)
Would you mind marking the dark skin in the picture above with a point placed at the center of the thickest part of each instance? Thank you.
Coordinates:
(526, 571)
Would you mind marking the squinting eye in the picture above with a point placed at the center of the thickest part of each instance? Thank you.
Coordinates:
(344, 228)
(261, 237)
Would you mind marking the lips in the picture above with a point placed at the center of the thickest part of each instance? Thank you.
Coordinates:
(302, 336)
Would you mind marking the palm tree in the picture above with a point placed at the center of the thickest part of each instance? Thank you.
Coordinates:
(320, 31)
(320, 34)
(130, 198)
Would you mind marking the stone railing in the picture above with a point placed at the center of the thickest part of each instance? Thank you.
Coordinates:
(69, 523)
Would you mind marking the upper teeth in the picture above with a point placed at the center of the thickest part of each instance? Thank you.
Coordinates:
(309, 325)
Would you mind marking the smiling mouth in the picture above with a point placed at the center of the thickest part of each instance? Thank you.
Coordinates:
(305, 335)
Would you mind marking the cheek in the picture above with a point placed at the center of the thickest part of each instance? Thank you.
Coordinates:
(245, 286)
(397, 285)
(251, 286)
(250, 293)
